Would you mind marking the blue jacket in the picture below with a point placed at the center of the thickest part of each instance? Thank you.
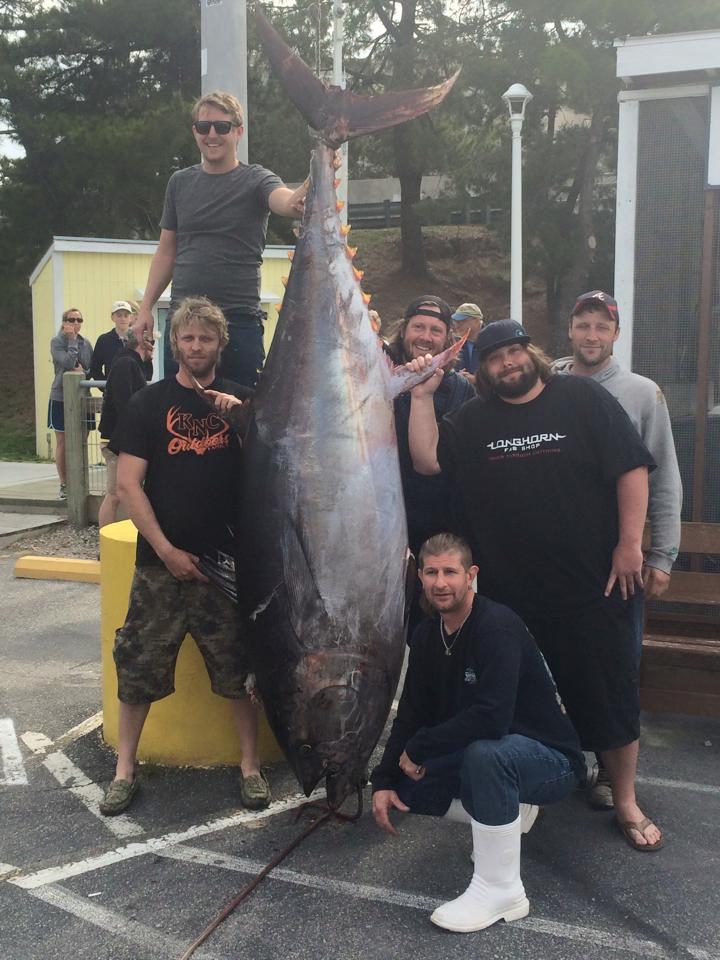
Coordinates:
(468, 358)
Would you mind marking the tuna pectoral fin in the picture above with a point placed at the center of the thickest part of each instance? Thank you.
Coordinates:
(302, 590)
(220, 571)
(336, 114)
(402, 379)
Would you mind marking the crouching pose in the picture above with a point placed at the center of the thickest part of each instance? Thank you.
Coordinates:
(480, 735)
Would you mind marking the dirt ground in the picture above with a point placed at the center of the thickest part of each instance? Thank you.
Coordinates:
(64, 540)
(466, 266)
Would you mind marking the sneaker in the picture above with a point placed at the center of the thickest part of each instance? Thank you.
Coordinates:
(600, 793)
(62, 495)
(118, 797)
(254, 791)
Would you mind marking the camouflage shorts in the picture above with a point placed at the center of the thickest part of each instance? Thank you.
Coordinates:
(161, 611)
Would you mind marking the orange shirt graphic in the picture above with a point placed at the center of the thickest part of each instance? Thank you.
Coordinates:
(189, 434)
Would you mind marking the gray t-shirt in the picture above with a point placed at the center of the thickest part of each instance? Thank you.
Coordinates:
(221, 223)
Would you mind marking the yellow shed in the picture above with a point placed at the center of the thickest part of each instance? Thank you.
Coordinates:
(90, 274)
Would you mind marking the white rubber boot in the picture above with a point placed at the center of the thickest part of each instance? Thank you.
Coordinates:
(496, 891)
(456, 812)
(528, 816)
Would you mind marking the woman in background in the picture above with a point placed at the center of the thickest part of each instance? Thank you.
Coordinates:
(69, 351)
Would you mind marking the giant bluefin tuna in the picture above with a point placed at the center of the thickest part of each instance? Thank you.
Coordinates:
(322, 552)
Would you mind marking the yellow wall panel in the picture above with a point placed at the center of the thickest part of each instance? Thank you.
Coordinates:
(43, 332)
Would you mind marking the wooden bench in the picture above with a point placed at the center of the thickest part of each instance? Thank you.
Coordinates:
(680, 668)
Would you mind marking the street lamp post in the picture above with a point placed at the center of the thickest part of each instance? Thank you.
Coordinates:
(338, 11)
(516, 97)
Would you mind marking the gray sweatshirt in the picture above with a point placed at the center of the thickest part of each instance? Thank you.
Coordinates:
(66, 354)
(644, 403)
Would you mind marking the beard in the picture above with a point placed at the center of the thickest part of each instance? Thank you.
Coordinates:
(524, 383)
(597, 360)
(198, 367)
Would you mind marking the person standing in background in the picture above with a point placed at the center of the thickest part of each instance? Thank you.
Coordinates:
(69, 351)
(109, 344)
(128, 374)
(467, 319)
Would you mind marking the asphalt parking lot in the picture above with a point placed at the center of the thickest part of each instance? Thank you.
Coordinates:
(144, 886)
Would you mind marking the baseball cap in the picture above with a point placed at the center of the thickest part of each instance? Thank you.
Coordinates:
(467, 310)
(498, 334)
(121, 305)
(416, 308)
(601, 298)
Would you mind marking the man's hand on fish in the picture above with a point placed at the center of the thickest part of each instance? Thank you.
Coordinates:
(383, 802)
(183, 565)
(223, 402)
(410, 768)
(428, 387)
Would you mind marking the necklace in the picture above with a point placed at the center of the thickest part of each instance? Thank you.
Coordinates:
(449, 649)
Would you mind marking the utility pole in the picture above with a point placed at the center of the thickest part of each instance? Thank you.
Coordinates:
(223, 54)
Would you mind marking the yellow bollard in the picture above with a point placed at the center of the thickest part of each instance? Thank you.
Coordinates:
(193, 727)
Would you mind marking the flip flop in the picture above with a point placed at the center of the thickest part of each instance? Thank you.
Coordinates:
(628, 826)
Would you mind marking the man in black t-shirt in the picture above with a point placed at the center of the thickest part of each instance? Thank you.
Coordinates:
(553, 479)
(480, 734)
(178, 476)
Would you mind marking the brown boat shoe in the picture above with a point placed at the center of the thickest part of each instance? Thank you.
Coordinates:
(254, 791)
(118, 796)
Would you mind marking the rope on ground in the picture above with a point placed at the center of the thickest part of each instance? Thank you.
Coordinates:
(225, 913)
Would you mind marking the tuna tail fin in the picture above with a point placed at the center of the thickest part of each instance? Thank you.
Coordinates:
(401, 379)
(336, 114)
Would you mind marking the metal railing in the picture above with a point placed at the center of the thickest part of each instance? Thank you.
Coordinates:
(84, 463)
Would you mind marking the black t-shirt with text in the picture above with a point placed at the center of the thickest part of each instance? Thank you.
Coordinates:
(538, 484)
(194, 462)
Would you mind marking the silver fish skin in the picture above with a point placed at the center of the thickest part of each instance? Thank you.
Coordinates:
(327, 588)
(322, 550)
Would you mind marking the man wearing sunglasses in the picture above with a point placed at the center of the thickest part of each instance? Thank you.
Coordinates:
(213, 230)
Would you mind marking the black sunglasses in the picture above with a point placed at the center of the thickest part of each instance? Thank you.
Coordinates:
(221, 126)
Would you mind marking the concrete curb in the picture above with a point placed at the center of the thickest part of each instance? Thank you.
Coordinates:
(57, 568)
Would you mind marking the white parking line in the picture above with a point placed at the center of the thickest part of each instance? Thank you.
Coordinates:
(13, 769)
(403, 898)
(679, 785)
(80, 729)
(152, 944)
(89, 793)
(39, 743)
(40, 878)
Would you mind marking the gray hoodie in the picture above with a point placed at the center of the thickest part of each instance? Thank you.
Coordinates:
(66, 354)
(644, 403)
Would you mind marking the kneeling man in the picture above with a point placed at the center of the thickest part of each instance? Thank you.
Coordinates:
(480, 734)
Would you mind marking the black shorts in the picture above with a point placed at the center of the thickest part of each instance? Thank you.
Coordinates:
(591, 653)
(56, 417)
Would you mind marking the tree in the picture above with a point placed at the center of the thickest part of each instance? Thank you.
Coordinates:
(97, 94)
(563, 51)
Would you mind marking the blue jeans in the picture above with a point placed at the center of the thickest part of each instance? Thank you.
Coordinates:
(241, 359)
(491, 777)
